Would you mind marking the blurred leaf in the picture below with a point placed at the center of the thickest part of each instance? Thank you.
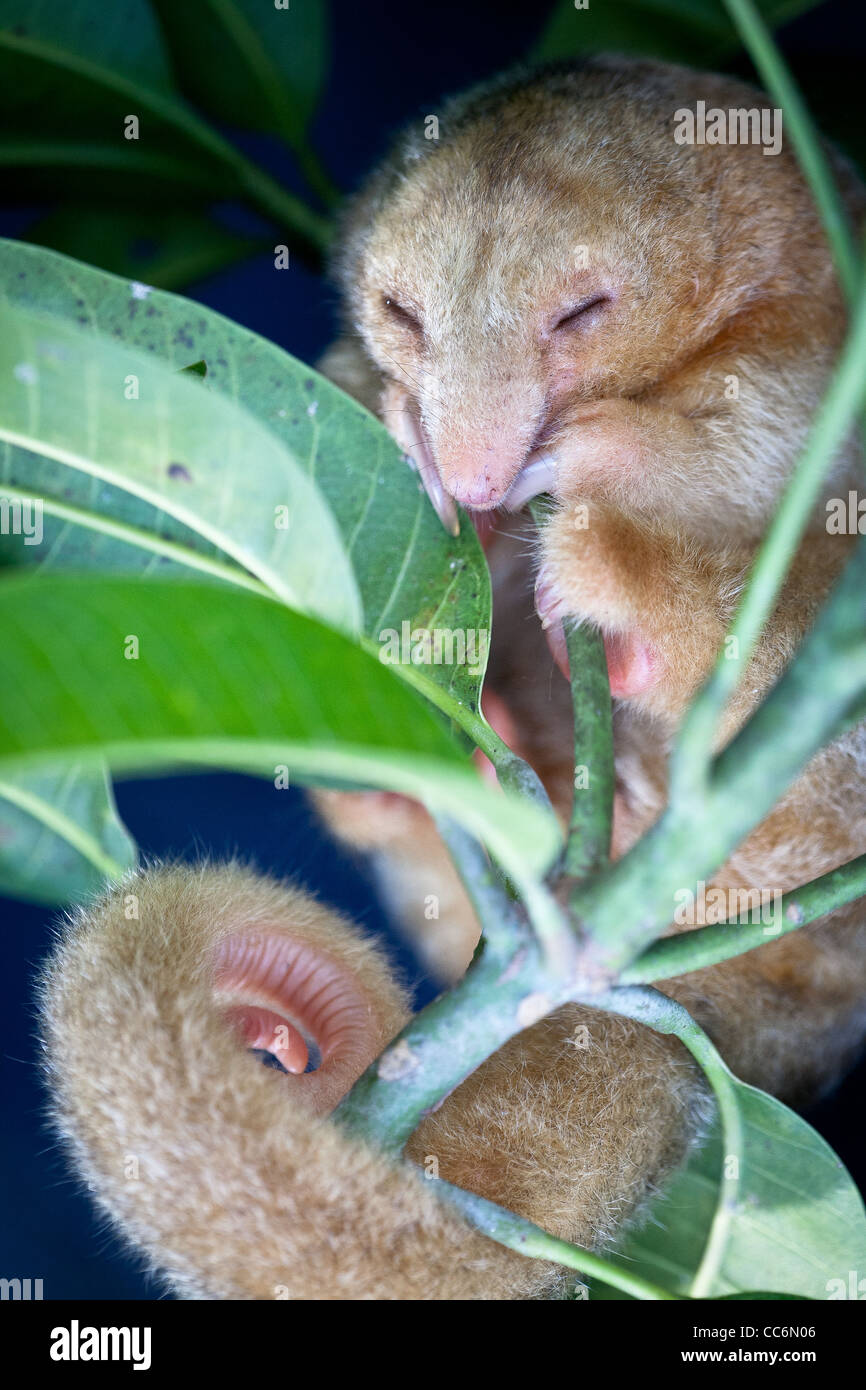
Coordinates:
(167, 248)
(83, 67)
(220, 678)
(60, 835)
(94, 84)
(757, 1297)
(70, 77)
(408, 570)
(683, 31)
(116, 40)
(791, 1219)
(53, 166)
(247, 63)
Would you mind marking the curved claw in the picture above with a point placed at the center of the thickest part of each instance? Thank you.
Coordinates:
(421, 459)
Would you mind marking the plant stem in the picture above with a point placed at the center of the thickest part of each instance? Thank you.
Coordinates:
(816, 168)
(316, 174)
(502, 922)
(666, 1016)
(553, 929)
(513, 773)
(443, 1044)
(689, 760)
(626, 906)
(527, 1239)
(588, 844)
(283, 207)
(695, 950)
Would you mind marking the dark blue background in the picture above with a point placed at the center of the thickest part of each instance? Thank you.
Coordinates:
(388, 65)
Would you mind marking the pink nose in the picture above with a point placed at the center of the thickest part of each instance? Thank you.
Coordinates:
(480, 492)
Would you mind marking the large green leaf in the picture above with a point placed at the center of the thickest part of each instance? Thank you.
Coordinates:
(65, 395)
(683, 31)
(157, 675)
(247, 63)
(407, 569)
(60, 835)
(764, 1204)
(793, 1221)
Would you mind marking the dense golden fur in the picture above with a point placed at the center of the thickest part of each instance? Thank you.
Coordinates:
(716, 267)
(238, 1188)
(720, 272)
(223, 1173)
(713, 257)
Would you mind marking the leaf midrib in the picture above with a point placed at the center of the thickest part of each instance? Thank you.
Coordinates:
(252, 50)
(62, 825)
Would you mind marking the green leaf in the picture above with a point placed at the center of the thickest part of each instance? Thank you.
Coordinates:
(249, 64)
(407, 569)
(54, 165)
(82, 68)
(65, 395)
(756, 1297)
(123, 39)
(77, 74)
(683, 31)
(60, 835)
(787, 1216)
(169, 247)
(158, 675)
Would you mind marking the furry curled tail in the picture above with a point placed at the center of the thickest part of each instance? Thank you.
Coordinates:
(224, 1172)
(231, 1176)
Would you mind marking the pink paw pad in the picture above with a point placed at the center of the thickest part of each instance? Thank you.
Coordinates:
(632, 662)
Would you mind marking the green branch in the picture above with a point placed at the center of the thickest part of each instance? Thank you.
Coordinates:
(507, 926)
(445, 1043)
(628, 905)
(588, 844)
(695, 950)
(527, 1239)
(690, 757)
(502, 921)
(807, 143)
(666, 1016)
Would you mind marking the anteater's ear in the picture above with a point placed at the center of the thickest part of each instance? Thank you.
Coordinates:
(228, 1174)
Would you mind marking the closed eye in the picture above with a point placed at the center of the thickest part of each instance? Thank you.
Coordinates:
(401, 314)
(571, 318)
